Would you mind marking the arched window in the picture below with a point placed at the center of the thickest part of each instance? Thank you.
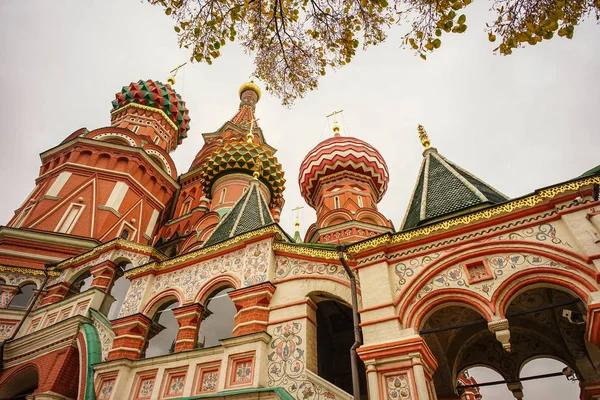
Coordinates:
(166, 325)
(21, 385)
(119, 290)
(23, 297)
(360, 201)
(81, 284)
(218, 320)
(336, 202)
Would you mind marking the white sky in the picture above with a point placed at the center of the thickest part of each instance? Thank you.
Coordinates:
(520, 122)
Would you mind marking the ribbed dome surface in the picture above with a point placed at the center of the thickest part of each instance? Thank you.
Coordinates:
(342, 153)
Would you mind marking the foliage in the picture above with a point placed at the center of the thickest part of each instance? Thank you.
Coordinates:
(295, 41)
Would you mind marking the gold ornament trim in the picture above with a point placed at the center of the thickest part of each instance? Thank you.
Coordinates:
(121, 243)
(173, 262)
(147, 108)
(306, 251)
(27, 271)
(509, 207)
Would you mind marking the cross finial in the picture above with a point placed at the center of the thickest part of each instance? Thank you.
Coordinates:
(336, 127)
(423, 136)
(173, 72)
(297, 209)
(250, 135)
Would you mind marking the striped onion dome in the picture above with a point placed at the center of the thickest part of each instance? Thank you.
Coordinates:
(342, 153)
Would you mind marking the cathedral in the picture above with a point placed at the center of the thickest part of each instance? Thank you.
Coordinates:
(122, 278)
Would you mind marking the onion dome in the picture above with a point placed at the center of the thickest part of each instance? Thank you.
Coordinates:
(247, 157)
(342, 154)
(159, 96)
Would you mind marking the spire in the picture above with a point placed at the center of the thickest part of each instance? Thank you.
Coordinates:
(443, 188)
(249, 213)
(423, 136)
(249, 95)
(297, 237)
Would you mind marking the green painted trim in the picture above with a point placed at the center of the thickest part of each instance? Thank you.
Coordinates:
(94, 356)
(280, 392)
(101, 318)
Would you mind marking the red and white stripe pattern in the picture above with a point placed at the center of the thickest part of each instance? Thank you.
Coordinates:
(342, 153)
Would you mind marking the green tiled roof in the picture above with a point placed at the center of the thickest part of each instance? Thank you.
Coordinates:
(249, 213)
(444, 188)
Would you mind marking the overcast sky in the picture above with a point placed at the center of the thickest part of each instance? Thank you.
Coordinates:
(520, 122)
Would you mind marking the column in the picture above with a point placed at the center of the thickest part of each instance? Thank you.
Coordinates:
(401, 369)
(131, 335)
(55, 293)
(8, 293)
(188, 317)
(252, 304)
(103, 275)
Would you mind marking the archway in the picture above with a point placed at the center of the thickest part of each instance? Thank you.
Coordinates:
(80, 284)
(218, 319)
(23, 297)
(20, 385)
(163, 330)
(335, 336)
(556, 387)
(119, 289)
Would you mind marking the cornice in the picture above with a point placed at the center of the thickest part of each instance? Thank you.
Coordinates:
(521, 203)
(27, 271)
(272, 229)
(46, 237)
(113, 244)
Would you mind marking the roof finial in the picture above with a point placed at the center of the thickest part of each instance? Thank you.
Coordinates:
(173, 72)
(423, 136)
(336, 127)
(257, 168)
(297, 236)
(250, 135)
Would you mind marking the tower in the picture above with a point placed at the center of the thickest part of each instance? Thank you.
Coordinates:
(343, 178)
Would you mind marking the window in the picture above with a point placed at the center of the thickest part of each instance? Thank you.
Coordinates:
(23, 297)
(156, 140)
(336, 202)
(360, 202)
(135, 129)
(222, 199)
(125, 234)
(186, 207)
(68, 221)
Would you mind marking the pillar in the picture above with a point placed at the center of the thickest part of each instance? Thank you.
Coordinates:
(103, 275)
(188, 317)
(8, 293)
(252, 305)
(401, 369)
(131, 335)
(55, 293)
(590, 391)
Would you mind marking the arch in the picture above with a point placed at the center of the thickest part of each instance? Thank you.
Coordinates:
(80, 282)
(421, 312)
(118, 289)
(214, 284)
(540, 356)
(220, 312)
(21, 382)
(24, 296)
(335, 215)
(477, 374)
(161, 299)
(455, 258)
(551, 278)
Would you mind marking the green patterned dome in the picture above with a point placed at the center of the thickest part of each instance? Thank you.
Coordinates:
(243, 157)
(157, 95)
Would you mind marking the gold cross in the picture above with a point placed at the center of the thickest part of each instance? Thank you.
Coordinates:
(336, 128)
(173, 72)
(297, 209)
